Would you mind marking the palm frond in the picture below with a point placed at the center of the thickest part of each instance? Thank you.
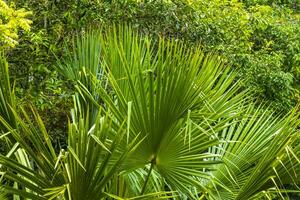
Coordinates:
(259, 153)
(81, 171)
(7, 97)
(81, 63)
(176, 96)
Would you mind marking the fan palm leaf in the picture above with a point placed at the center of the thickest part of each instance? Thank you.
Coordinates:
(176, 97)
(260, 155)
(81, 171)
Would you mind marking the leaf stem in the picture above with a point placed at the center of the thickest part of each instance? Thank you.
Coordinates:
(147, 177)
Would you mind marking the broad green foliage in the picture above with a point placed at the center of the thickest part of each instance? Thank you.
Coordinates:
(167, 115)
(261, 41)
(153, 120)
(11, 21)
(259, 38)
(292, 4)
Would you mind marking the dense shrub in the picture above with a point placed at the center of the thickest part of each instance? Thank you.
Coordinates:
(11, 20)
(259, 38)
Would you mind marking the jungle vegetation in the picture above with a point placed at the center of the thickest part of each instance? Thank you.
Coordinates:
(149, 99)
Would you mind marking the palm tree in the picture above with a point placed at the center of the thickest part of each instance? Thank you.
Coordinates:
(32, 169)
(155, 118)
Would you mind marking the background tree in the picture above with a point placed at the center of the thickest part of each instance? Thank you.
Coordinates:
(11, 20)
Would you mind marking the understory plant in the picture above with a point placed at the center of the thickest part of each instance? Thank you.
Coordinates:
(151, 120)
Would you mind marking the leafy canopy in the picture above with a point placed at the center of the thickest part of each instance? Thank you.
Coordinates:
(11, 20)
